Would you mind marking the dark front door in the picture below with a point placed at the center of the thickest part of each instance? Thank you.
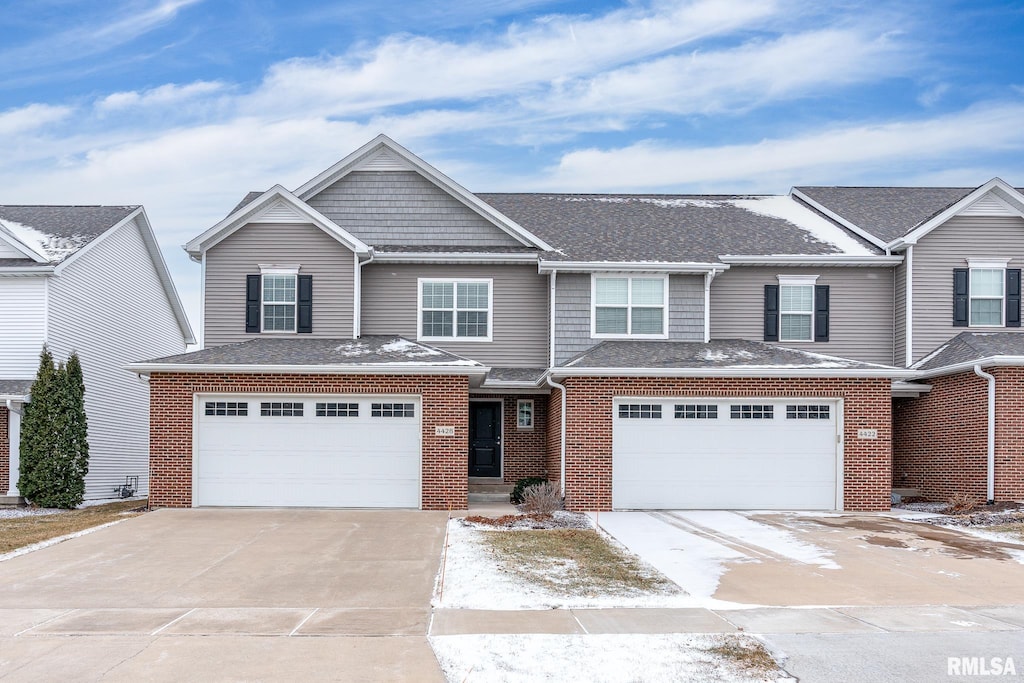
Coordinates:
(485, 439)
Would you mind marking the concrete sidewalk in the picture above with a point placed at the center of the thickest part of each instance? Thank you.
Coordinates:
(760, 620)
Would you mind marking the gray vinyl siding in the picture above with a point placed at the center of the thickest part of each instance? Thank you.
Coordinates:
(23, 316)
(899, 351)
(404, 208)
(948, 247)
(520, 309)
(860, 309)
(572, 312)
(110, 306)
(330, 263)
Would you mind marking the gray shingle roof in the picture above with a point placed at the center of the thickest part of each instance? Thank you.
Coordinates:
(60, 231)
(886, 212)
(518, 375)
(15, 387)
(685, 228)
(249, 196)
(716, 354)
(380, 350)
(968, 347)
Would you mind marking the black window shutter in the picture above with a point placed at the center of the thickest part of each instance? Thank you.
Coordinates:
(771, 313)
(1013, 297)
(960, 297)
(821, 313)
(305, 308)
(252, 303)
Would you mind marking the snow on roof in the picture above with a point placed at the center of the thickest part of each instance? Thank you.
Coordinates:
(47, 246)
(785, 208)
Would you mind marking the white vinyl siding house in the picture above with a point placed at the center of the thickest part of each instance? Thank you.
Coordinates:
(23, 312)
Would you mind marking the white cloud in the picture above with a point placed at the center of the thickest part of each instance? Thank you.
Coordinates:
(813, 156)
(931, 96)
(161, 96)
(31, 117)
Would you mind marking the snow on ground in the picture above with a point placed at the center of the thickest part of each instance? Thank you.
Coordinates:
(593, 658)
(12, 513)
(473, 579)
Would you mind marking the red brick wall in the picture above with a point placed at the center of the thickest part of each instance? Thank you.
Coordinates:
(524, 450)
(5, 455)
(940, 444)
(553, 456)
(866, 403)
(445, 401)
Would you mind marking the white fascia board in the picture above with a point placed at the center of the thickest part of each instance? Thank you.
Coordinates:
(967, 366)
(190, 368)
(346, 165)
(159, 263)
(14, 398)
(631, 267)
(453, 257)
(923, 229)
(901, 389)
(240, 218)
(750, 373)
(7, 238)
(852, 227)
(839, 260)
(26, 271)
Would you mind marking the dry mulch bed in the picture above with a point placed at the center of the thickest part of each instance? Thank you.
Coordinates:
(532, 520)
(18, 532)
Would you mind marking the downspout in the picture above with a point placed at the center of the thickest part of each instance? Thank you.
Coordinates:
(708, 277)
(551, 322)
(357, 305)
(991, 488)
(14, 451)
(908, 316)
(561, 476)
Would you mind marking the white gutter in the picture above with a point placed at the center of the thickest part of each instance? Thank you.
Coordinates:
(357, 315)
(991, 487)
(354, 369)
(736, 371)
(909, 312)
(26, 271)
(454, 257)
(968, 366)
(816, 260)
(630, 267)
(561, 475)
(551, 323)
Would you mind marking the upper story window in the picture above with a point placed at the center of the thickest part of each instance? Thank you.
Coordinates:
(986, 294)
(279, 300)
(455, 309)
(629, 306)
(796, 310)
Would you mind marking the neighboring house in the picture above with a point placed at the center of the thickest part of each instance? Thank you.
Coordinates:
(380, 335)
(88, 279)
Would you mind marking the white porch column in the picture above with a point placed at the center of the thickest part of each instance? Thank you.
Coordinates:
(14, 440)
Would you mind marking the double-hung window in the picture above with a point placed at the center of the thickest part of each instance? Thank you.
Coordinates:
(986, 290)
(278, 298)
(629, 306)
(796, 312)
(986, 294)
(455, 309)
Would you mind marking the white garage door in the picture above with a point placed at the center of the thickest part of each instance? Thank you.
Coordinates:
(308, 451)
(755, 454)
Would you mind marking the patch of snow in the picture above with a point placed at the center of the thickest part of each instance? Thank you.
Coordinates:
(715, 356)
(16, 513)
(509, 658)
(353, 348)
(47, 246)
(471, 578)
(411, 349)
(786, 208)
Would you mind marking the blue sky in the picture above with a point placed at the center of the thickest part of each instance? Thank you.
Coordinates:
(184, 105)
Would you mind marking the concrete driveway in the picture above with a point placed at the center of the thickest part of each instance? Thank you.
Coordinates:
(796, 559)
(227, 595)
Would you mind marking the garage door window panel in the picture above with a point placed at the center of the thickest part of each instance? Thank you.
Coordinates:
(640, 411)
(280, 409)
(629, 307)
(337, 410)
(808, 412)
(226, 408)
(393, 410)
(696, 411)
(747, 411)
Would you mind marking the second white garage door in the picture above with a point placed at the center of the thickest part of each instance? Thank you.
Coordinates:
(307, 451)
(725, 454)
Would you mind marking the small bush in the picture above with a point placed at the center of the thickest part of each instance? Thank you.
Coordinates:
(542, 498)
(961, 504)
(522, 485)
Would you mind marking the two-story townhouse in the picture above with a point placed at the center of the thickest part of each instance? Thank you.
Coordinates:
(957, 323)
(380, 334)
(88, 279)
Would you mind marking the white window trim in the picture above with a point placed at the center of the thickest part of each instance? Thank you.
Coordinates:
(455, 321)
(278, 269)
(594, 277)
(987, 264)
(797, 281)
(519, 404)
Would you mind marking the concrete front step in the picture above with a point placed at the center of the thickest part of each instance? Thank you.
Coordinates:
(489, 485)
(487, 497)
(11, 501)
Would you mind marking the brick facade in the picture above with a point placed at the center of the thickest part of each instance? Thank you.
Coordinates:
(940, 442)
(5, 454)
(444, 400)
(524, 450)
(866, 404)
